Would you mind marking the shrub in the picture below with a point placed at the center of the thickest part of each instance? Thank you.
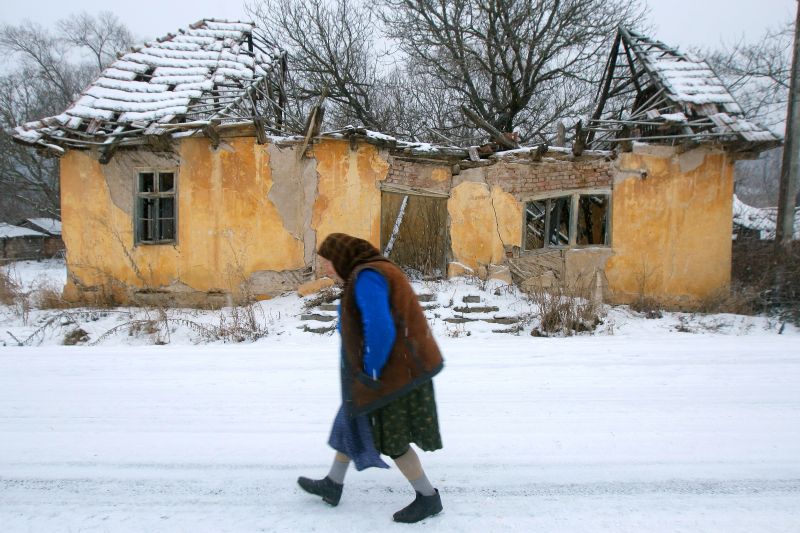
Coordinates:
(564, 311)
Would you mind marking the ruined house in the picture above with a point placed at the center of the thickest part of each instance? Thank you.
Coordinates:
(185, 182)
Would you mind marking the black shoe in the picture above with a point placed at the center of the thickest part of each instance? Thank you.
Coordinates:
(330, 491)
(421, 508)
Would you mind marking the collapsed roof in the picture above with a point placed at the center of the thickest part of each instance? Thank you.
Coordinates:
(213, 72)
(218, 73)
(761, 219)
(654, 93)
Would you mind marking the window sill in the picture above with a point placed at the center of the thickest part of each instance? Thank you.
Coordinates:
(155, 243)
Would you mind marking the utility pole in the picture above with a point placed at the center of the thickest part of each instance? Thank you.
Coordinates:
(790, 169)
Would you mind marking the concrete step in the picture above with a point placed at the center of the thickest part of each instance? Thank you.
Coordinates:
(459, 320)
(471, 299)
(426, 297)
(477, 309)
(318, 317)
(319, 330)
(329, 307)
(512, 330)
(503, 320)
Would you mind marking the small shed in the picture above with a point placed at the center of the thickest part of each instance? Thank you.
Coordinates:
(758, 223)
(17, 243)
(51, 227)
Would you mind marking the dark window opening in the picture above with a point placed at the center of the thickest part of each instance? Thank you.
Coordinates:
(155, 208)
(558, 221)
(592, 219)
(550, 222)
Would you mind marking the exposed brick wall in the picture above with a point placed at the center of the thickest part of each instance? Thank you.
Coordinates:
(524, 179)
(418, 175)
(520, 178)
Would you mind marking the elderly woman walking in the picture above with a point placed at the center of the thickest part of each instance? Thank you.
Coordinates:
(388, 359)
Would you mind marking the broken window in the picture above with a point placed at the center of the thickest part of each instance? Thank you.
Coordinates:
(567, 220)
(592, 220)
(155, 207)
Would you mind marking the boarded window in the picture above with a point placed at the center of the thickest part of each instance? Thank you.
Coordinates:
(155, 207)
(567, 220)
(414, 232)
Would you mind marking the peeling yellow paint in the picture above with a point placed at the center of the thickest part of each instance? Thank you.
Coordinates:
(440, 174)
(671, 219)
(348, 200)
(671, 230)
(481, 223)
(227, 226)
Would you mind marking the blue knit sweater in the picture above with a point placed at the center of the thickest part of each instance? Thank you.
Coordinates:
(372, 299)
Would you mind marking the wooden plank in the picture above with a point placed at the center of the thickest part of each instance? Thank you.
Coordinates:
(601, 101)
(497, 135)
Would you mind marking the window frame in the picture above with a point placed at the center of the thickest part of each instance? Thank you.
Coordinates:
(156, 195)
(574, 196)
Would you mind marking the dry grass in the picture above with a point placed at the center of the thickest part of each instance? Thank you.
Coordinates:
(765, 279)
(10, 289)
(565, 311)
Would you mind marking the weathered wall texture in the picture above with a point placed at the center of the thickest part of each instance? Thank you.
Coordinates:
(231, 235)
(419, 175)
(250, 218)
(487, 202)
(671, 225)
(348, 197)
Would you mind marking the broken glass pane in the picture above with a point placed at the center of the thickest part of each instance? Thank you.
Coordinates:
(558, 210)
(146, 227)
(592, 219)
(146, 182)
(166, 182)
(166, 208)
(534, 224)
(166, 227)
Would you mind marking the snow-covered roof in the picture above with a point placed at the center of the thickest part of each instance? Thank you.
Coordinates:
(653, 92)
(761, 219)
(213, 70)
(7, 231)
(50, 225)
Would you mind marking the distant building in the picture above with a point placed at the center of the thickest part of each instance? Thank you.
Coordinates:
(17, 243)
(51, 227)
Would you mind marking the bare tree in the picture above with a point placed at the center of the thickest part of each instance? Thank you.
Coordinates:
(102, 35)
(520, 64)
(47, 75)
(758, 74)
(330, 44)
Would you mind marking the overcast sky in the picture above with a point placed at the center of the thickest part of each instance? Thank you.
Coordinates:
(681, 23)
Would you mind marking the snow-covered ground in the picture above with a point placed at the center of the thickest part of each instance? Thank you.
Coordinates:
(638, 428)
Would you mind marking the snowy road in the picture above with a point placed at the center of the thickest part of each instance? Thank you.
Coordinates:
(672, 433)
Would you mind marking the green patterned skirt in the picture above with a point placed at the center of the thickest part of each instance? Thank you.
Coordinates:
(410, 418)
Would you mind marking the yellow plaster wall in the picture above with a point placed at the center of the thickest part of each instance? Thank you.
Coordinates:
(671, 230)
(481, 223)
(348, 197)
(227, 226)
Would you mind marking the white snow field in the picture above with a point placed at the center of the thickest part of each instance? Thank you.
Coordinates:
(640, 432)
